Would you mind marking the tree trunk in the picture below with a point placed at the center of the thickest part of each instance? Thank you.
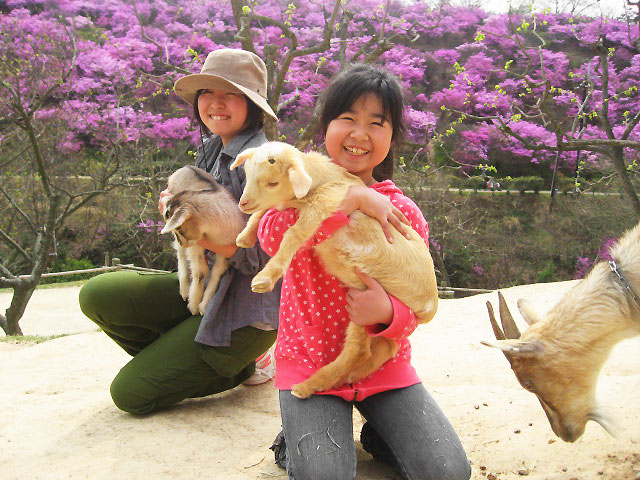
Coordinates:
(627, 186)
(439, 263)
(23, 287)
(21, 295)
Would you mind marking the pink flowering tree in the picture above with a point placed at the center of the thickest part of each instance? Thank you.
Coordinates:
(86, 93)
(87, 102)
(71, 125)
(561, 90)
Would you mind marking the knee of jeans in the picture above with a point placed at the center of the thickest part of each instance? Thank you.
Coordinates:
(126, 400)
(330, 472)
(92, 298)
(86, 298)
(324, 467)
(453, 468)
(461, 470)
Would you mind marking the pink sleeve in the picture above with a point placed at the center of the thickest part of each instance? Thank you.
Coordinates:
(413, 214)
(403, 323)
(272, 226)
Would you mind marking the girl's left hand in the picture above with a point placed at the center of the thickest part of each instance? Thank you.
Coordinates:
(370, 306)
(378, 206)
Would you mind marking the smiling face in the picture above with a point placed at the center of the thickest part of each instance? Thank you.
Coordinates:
(359, 139)
(223, 112)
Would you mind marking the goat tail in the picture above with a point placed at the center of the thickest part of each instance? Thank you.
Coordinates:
(425, 315)
(361, 356)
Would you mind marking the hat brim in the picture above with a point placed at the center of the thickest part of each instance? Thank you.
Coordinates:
(187, 87)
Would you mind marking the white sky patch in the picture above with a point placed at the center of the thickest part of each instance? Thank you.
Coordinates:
(608, 8)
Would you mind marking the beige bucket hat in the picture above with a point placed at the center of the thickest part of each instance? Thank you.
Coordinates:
(229, 69)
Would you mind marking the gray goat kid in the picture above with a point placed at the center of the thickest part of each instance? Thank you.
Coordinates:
(199, 208)
(559, 357)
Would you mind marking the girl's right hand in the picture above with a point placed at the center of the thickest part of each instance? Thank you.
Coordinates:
(375, 205)
(164, 193)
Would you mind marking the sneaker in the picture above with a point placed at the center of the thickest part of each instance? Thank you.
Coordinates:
(373, 443)
(279, 448)
(265, 369)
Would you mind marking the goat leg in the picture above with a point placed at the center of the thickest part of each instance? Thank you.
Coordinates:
(360, 357)
(247, 237)
(219, 267)
(293, 239)
(199, 271)
(183, 270)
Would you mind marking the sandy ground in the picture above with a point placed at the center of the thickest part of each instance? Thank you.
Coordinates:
(58, 420)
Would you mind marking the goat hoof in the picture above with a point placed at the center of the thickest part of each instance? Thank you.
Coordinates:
(245, 241)
(193, 309)
(202, 307)
(301, 392)
(261, 285)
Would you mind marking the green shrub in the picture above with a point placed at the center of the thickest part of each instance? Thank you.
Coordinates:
(69, 265)
(546, 275)
(522, 184)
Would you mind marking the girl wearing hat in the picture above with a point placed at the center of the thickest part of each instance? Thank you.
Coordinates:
(177, 355)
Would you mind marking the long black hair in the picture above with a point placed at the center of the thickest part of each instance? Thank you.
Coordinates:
(349, 85)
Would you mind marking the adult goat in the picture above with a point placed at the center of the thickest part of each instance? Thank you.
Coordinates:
(559, 357)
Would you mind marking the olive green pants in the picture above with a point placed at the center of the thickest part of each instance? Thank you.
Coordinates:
(145, 315)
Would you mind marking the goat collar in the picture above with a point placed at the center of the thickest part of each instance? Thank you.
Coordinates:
(623, 281)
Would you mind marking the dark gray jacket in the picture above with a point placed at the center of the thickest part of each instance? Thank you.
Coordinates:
(234, 305)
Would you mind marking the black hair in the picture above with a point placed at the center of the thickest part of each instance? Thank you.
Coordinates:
(349, 85)
(255, 115)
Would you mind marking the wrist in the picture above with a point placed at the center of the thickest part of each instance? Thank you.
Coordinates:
(352, 199)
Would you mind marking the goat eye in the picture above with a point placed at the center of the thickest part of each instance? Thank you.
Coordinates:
(273, 184)
(528, 386)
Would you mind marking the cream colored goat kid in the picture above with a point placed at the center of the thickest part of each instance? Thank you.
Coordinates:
(559, 357)
(199, 208)
(280, 176)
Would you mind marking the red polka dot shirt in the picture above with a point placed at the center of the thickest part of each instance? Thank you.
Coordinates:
(313, 319)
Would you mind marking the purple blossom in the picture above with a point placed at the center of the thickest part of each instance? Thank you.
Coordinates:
(148, 226)
(583, 265)
(477, 269)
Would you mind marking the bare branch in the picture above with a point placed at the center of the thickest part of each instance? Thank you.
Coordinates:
(18, 209)
(143, 34)
(6, 272)
(632, 124)
(4, 236)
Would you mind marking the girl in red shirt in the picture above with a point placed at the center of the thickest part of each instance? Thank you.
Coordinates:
(362, 120)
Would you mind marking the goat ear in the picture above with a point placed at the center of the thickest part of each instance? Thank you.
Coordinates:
(300, 179)
(182, 214)
(527, 311)
(517, 347)
(242, 157)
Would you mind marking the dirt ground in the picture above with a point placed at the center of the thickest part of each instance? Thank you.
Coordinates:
(58, 420)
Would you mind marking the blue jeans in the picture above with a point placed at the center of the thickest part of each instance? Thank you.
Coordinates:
(318, 433)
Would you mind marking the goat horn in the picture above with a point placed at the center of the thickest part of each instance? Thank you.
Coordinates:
(497, 331)
(509, 326)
